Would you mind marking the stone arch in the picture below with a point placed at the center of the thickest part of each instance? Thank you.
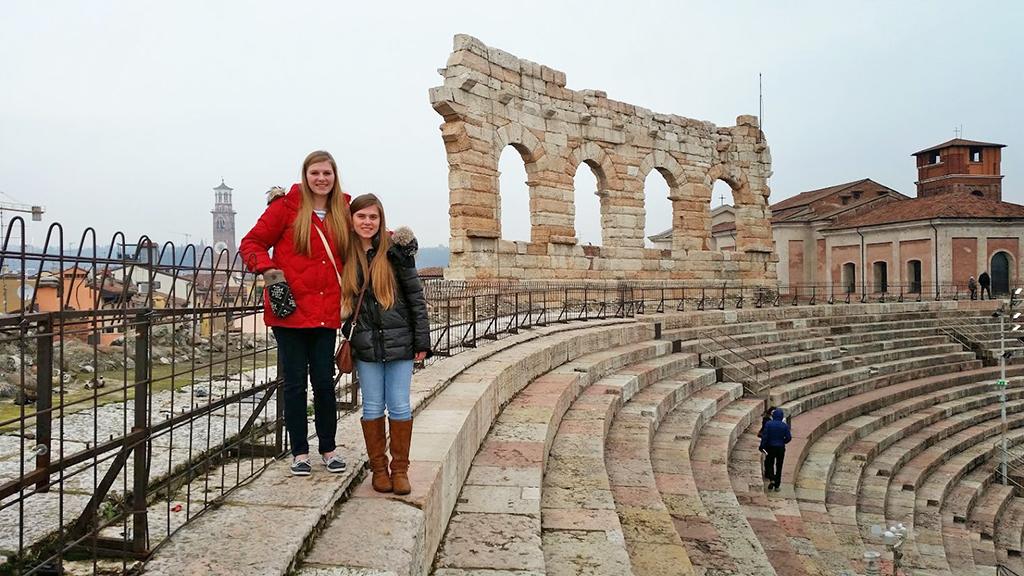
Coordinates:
(528, 146)
(608, 181)
(736, 179)
(750, 208)
(675, 176)
(531, 150)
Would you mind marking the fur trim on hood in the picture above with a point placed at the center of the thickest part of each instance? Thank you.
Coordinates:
(403, 236)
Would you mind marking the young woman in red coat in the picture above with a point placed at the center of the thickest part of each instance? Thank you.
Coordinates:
(308, 230)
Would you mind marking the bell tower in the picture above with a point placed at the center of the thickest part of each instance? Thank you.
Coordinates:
(223, 220)
(960, 166)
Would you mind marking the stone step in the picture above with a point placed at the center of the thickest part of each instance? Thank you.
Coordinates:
(500, 499)
(652, 542)
(673, 474)
(814, 488)
(710, 468)
(857, 478)
(838, 473)
(907, 474)
(1008, 529)
(794, 544)
(956, 538)
(807, 394)
(827, 431)
(928, 499)
(580, 528)
(902, 362)
(870, 337)
(983, 521)
(448, 432)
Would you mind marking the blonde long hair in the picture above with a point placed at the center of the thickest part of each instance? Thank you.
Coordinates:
(338, 217)
(381, 276)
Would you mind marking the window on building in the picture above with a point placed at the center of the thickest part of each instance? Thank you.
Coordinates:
(934, 158)
(845, 200)
(975, 154)
(880, 274)
(978, 193)
(914, 276)
(856, 194)
(849, 278)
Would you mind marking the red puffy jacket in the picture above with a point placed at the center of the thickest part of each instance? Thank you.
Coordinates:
(311, 278)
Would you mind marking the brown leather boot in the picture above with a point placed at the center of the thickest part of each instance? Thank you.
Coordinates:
(401, 436)
(376, 450)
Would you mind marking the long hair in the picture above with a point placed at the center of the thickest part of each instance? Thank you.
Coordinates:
(338, 215)
(354, 277)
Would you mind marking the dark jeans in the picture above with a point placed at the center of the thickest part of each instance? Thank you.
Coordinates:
(773, 463)
(307, 355)
(985, 289)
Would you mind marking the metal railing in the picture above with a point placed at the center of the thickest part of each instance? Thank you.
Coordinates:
(141, 389)
(138, 382)
(751, 374)
(1003, 570)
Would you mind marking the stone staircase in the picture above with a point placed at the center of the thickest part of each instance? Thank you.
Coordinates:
(594, 448)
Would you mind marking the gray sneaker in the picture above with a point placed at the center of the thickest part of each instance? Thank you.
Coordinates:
(301, 467)
(334, 464)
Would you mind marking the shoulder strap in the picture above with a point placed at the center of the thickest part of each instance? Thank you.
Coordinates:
(330, 254)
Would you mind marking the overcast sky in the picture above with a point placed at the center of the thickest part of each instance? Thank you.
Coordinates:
(124, 115)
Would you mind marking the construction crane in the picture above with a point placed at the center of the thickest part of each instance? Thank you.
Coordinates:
(35, 211)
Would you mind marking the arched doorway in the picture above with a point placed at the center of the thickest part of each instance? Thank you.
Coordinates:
(913, 276)
(1000, 273)
(880, 273)
(849, 278)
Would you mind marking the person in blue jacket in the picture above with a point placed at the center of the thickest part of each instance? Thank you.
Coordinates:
(774, 436)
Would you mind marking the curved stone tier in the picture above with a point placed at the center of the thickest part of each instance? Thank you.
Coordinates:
(594, 448)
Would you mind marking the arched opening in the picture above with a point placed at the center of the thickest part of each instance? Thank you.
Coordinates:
(588, 204)
(978, 193)
(723, 216)
(514, 193)
(913, 276)
(657, 211)
(880, 276)
(1000, 273)
(848, 278)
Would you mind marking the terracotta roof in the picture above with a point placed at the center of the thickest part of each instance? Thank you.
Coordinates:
(958, 205)
(959, 142)
(805, 198)
(723, 227)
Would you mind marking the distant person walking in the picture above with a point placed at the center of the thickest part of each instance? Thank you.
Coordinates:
(309, 230)
(387, 324)
(972, 285)
(774, 436)
(766, 417)
(986, 285)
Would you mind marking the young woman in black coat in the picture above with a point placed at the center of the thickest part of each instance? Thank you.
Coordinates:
(388, 330)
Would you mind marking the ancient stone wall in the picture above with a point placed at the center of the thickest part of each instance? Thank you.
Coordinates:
(491, 99)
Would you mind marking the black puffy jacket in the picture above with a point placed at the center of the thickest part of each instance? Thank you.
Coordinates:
(399, 332)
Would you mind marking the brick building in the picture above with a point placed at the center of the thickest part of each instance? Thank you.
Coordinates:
(865, 237)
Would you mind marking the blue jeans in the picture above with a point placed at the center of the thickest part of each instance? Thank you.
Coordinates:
(385, 384)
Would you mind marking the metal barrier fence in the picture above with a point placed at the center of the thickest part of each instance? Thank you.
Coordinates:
(138, 382)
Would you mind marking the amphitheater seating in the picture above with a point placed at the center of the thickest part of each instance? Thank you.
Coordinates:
(602, 450)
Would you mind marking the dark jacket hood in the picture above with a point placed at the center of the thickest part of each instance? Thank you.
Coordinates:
(778, 414)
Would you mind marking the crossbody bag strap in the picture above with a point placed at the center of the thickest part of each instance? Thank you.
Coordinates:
(330, 254)
(337, 273)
